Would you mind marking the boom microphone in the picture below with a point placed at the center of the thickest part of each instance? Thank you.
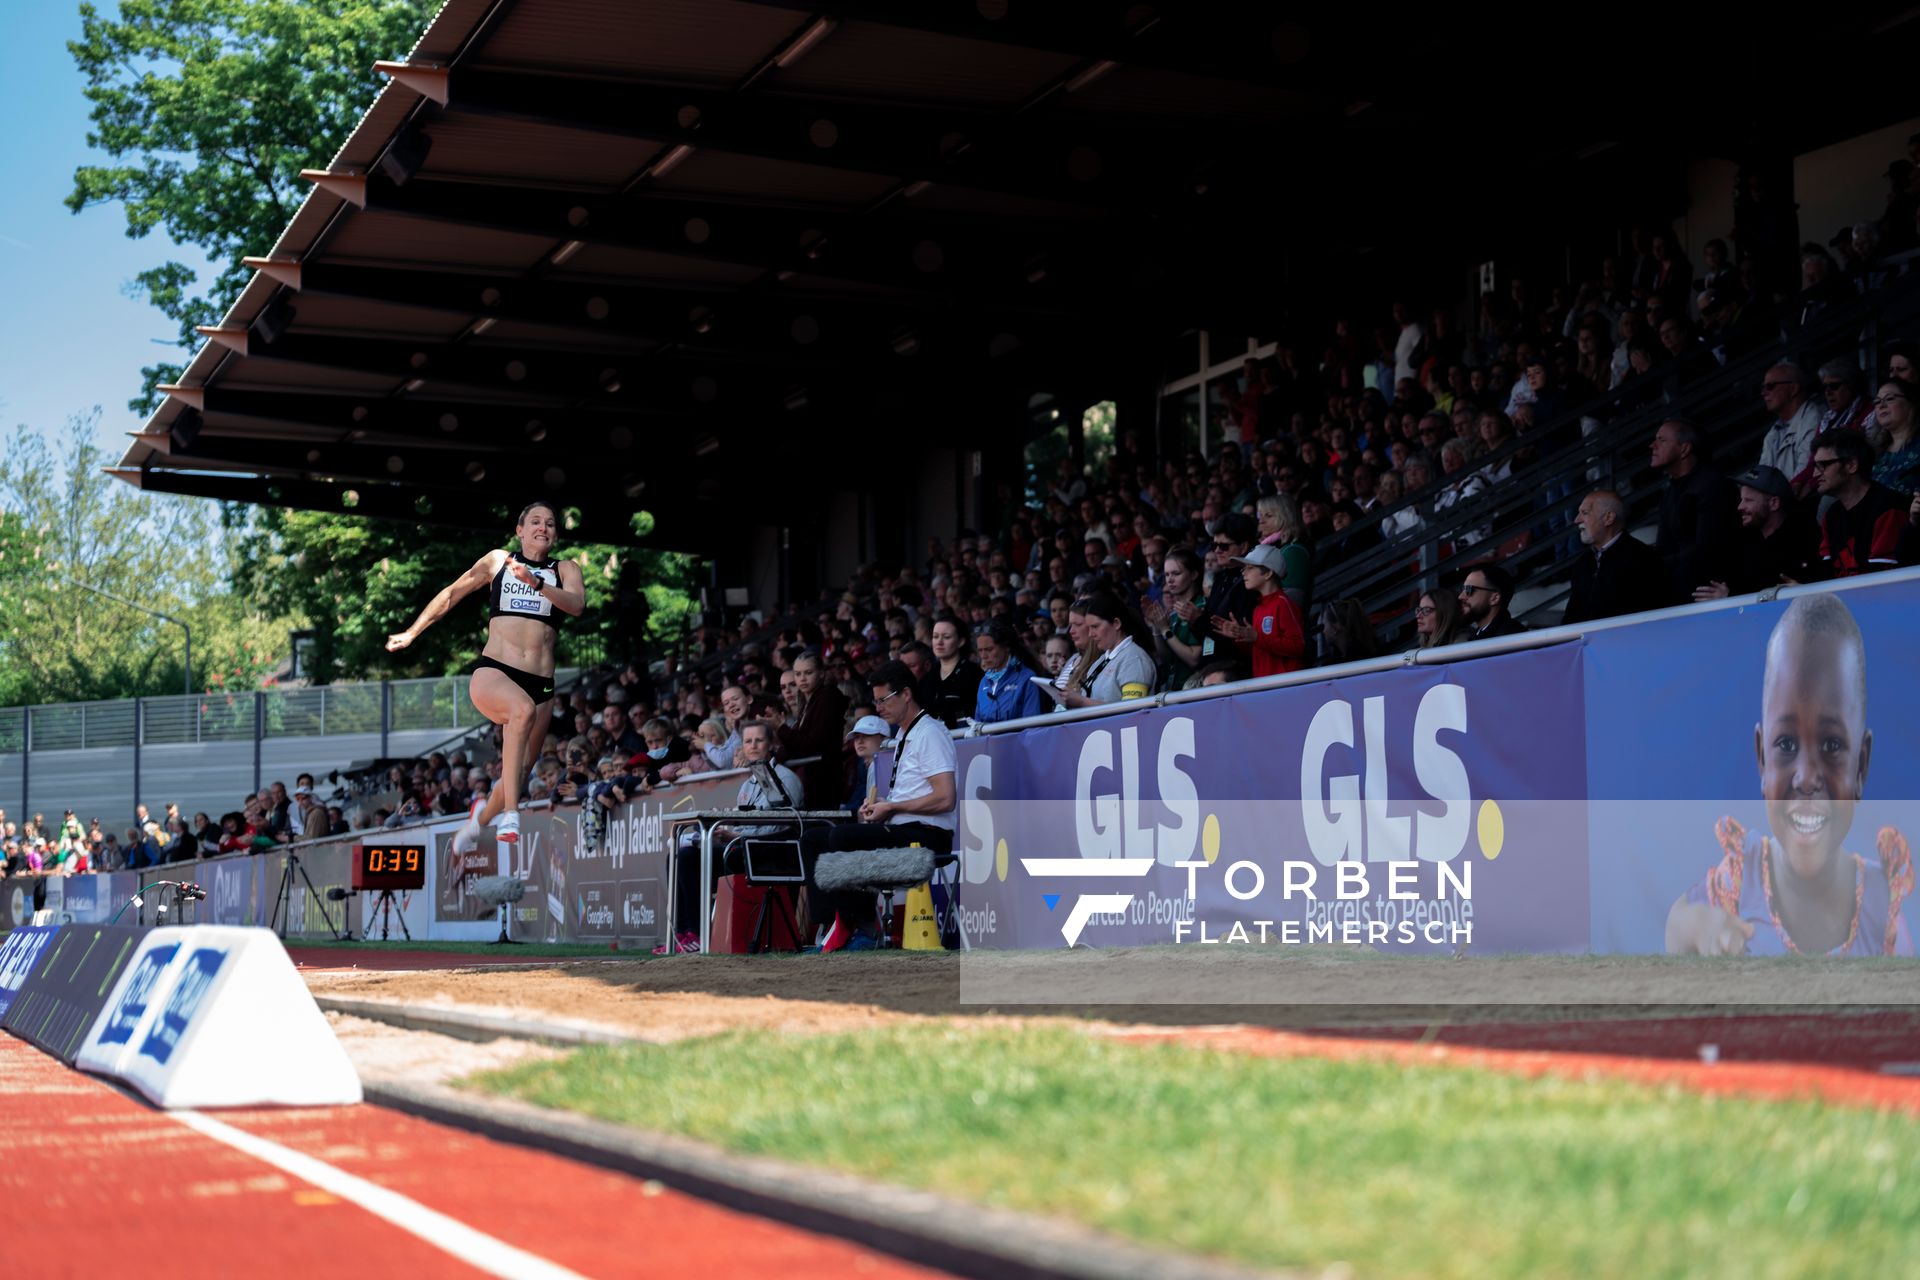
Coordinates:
(496, 891)
(876, 869)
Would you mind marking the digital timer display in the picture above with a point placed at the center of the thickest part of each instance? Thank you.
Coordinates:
(390, 866)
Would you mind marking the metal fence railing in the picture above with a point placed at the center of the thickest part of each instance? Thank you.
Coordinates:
(389, 706)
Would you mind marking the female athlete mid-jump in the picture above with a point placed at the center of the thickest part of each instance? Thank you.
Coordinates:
(513, 680)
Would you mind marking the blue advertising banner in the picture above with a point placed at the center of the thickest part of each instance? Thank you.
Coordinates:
(1465, 768)
(1759, 761)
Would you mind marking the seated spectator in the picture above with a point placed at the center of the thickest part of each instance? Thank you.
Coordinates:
(1121, 666)
(1843, 387)
(1864, 528)
(1387, 494)
(1892, 430)
(919, 808)
(205, 834)
(1436, 620)
(1796, 420)
(1699, 517)
(1622, 574)
(1008, 669)
(1346, 633)
(1485, 602)
(1276, 636)
(1776, 541)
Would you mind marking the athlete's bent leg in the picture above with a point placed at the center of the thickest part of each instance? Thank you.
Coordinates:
(505, 703)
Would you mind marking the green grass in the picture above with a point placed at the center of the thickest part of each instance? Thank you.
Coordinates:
(1395, 1171)
(528, 950)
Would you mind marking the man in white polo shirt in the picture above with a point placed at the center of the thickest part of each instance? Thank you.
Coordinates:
(919, 807)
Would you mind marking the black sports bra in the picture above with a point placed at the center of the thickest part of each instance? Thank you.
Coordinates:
(508, 597)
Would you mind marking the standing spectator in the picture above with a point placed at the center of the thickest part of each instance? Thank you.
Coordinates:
(1775, 541)
(1228, 597)
(1436, 620)
(1623, 574)
(315, 821)
(1179, 647)
(1699, 512)
(868, 734)
(816, 732)
(620, 735)
(1796, 420)
(1863, 528)
(1007, 690)
(1407, 345)
(1892, 430)
(1276, 636)
(735, 705)
(1486, 599)
(954, 682)
(1277, 521)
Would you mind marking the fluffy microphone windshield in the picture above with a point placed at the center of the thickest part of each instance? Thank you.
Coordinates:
(873, 869)
(496, 891)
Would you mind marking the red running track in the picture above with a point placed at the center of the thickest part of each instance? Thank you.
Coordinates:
(110, 1186)
(1847, 1059)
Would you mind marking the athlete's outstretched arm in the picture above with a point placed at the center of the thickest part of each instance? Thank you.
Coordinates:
(463, 586)
(569, 597)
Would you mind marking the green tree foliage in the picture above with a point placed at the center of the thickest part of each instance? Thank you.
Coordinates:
(67, 522)
(359, 580)
(208, 110)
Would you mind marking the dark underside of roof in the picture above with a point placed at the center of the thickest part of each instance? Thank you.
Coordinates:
(670, 254)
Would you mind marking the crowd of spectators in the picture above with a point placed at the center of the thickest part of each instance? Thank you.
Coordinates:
(1158, 573)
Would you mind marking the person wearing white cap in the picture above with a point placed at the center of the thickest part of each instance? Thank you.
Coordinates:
(1276, 636)
(868, 735)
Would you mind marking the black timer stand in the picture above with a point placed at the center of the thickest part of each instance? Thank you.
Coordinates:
(388, 910)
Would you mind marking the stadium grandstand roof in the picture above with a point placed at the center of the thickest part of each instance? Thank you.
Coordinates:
(666, 253)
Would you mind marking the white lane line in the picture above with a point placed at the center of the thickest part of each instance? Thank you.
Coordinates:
(476, 1248)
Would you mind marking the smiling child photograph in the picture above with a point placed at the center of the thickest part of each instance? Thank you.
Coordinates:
(1796, 887)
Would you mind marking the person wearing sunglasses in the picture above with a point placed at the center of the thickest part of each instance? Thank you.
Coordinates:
(1796, 414)
(1233, 535)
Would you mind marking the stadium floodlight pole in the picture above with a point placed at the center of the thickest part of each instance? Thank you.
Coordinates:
(108, 595)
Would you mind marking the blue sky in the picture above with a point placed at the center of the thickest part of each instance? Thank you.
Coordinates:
(70, 338)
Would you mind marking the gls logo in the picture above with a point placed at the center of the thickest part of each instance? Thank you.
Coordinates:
(1346, 816)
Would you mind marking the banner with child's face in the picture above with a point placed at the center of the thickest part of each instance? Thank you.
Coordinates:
(1735, 781)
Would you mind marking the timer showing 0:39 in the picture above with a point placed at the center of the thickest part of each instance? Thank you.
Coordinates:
(382, 866)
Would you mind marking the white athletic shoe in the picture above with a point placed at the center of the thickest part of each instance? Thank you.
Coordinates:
(506, 827)
(467, 838)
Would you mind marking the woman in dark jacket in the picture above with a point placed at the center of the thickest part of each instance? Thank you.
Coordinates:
(818, 733)
(1007, 691)
(948, 691)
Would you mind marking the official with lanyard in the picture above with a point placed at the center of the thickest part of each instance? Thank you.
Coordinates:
(919, 807)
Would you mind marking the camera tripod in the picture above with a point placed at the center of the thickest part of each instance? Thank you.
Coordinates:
(283, 902)
(388, 910)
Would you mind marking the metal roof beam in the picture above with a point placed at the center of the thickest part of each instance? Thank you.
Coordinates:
(1079, 163)
(472, 507)
(734, 323)
(451, 423)
(1252, 44)
(955, 260)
